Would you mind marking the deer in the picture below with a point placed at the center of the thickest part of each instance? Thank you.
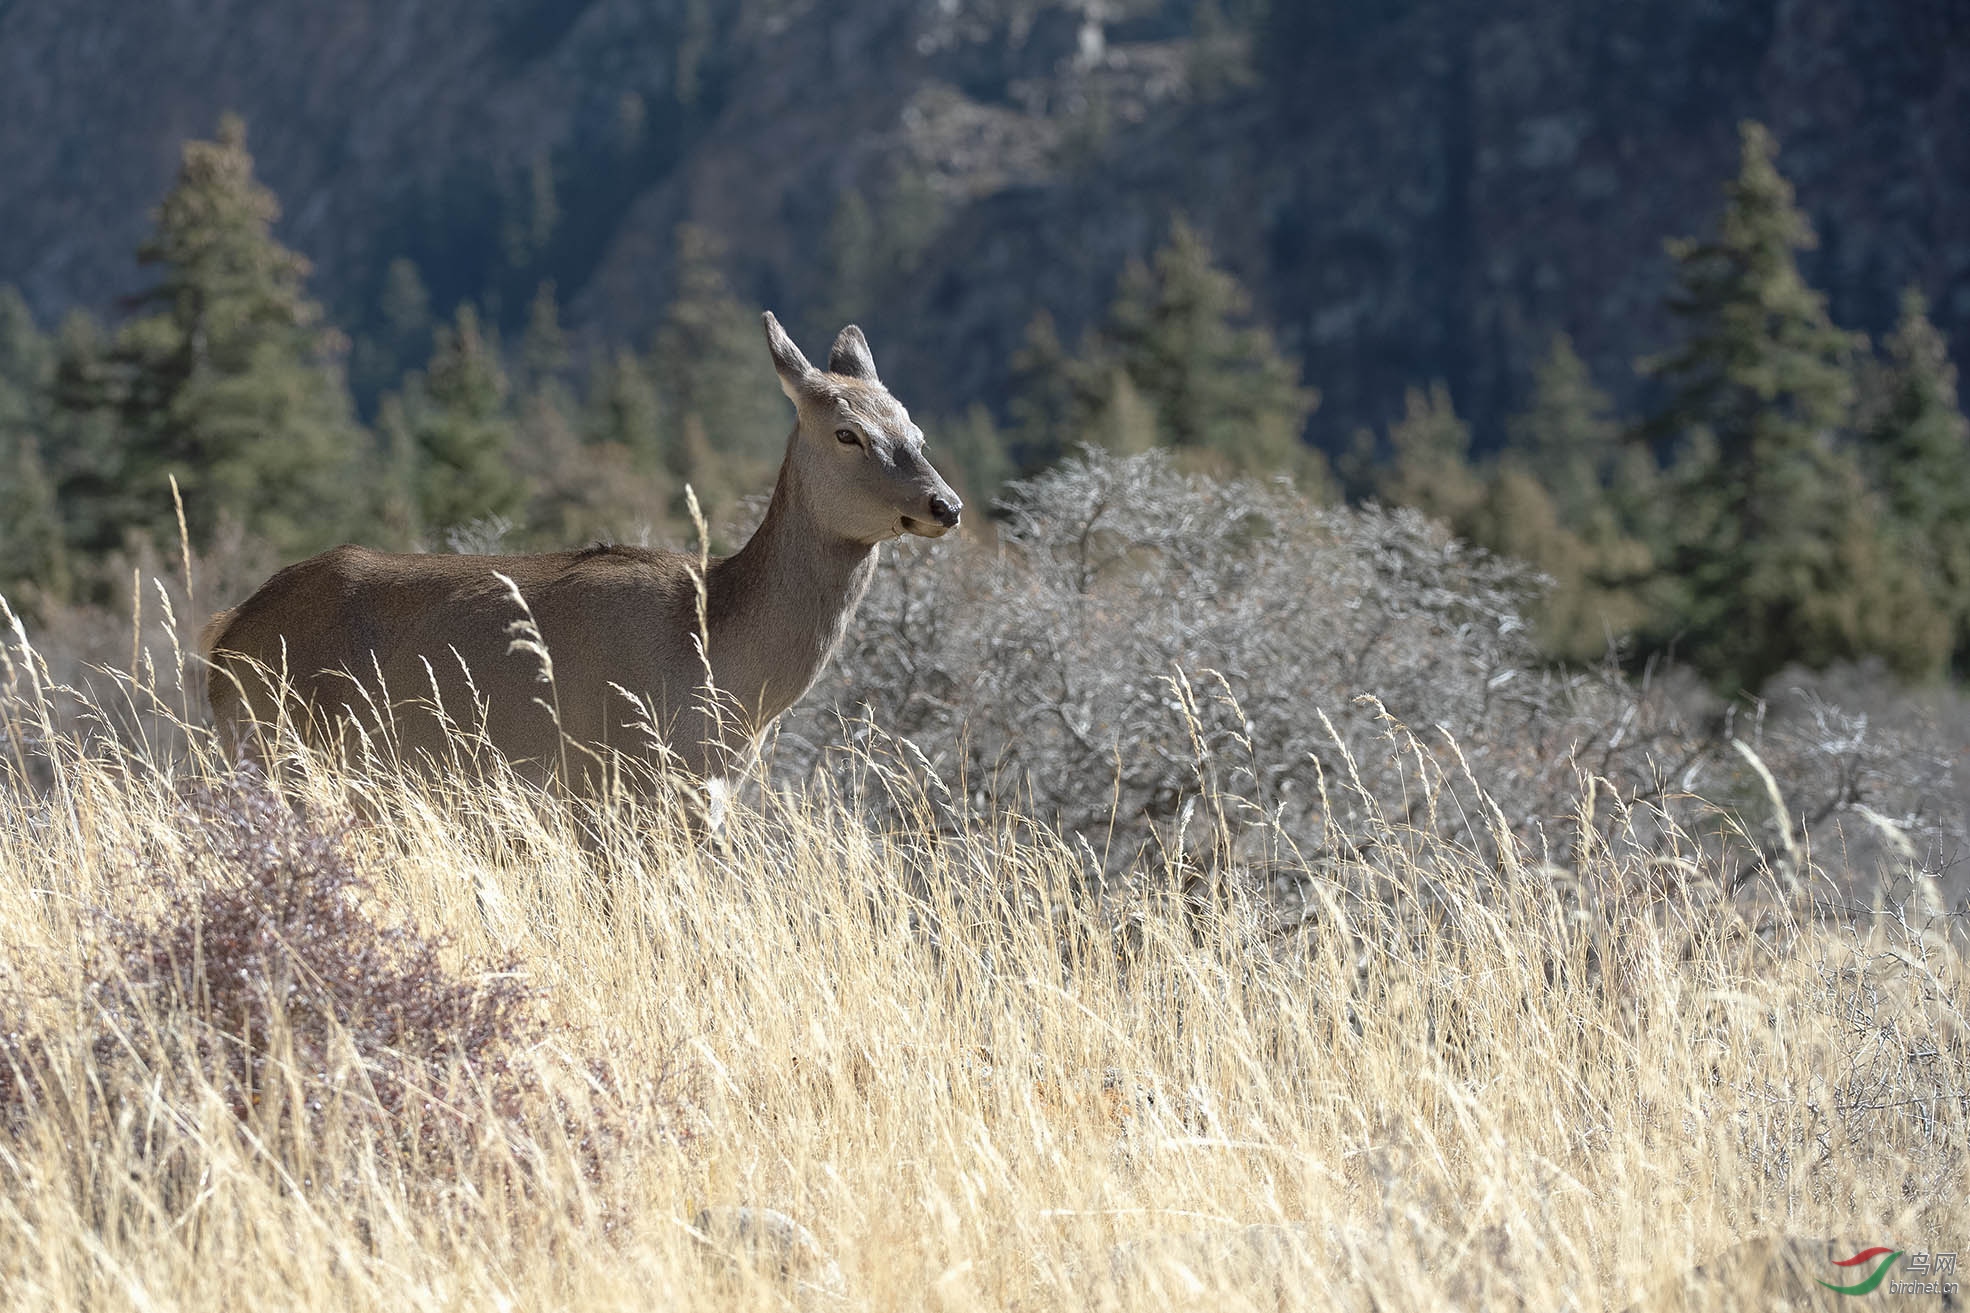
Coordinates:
(625, 656)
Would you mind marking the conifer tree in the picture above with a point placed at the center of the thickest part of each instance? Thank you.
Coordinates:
(595, 471)
(1597, 572)
(228, 379)
(84, 450)
(1124, 423)
(402, 338)
(870, 241)
(1568, 434)
(911, 213)
(727, 419)
(1052, 399)
(1776, 556)
(460, 428)
(33, 551)
(623, 409)
(555, 466)
(544, 350)
(1180, 326)
(1547, 501)
(406, 307)
(1430, 465)
(1916, 443)
(27, 363)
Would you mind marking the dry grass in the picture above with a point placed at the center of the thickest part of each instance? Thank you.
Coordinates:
(1431, 1077)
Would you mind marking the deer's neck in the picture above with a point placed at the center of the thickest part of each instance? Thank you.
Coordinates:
(778, 609)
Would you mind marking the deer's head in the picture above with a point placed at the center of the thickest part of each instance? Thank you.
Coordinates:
(858, 458)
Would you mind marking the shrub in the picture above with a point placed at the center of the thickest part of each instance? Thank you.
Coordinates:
(1145, 652)
(263, 976)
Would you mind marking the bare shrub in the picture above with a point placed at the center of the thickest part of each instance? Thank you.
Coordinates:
(1143, 652)
(264, 977)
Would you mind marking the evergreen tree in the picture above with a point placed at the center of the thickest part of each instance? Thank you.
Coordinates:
(84, 450)
(1568, 435)
(33, 551)
(460, 428)
(912, 212)
(595, 470)
(1596, 570)
(1180, 328)
(554, 465)
(544, 350)
(406, 307)
(1430, 465)
(27, 363)
(727, 419)
(228, 379)
(1775, 558)
(398, 521)
(870, 242)
(1124, 423)
(403, 337)
(623, 409)
(1547, 501)
(1052, 398)
(1916, 443)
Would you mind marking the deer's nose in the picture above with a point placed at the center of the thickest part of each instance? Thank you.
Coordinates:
(946, 510)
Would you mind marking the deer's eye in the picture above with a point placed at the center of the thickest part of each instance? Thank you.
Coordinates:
(848, 437)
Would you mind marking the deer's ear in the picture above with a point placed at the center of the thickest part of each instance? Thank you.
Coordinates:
(788, 363)
(850, 356)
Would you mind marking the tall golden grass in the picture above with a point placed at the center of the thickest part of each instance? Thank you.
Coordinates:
(1397, 1074)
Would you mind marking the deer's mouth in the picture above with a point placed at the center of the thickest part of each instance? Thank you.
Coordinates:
(924, 528)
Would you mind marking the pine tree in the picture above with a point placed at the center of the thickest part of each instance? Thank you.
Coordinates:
(1595, 569)
(1180, 328)
(557, 469)
(27, 363)
(623, 409)
(1430, 466)
(596, 471)
(1776, 526)
(869, 242)
(912, 212)
(1053, 397)
(406, 308)
(460, 429)
(228, 379)
(1547, 501)
(1124, 423)
(403, 335)
(544, 350)
(1568, 434)
(84, 449)
(1916, 443)
(728, 421)
(33, 550)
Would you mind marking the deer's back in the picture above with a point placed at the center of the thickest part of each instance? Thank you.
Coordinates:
(368, 635)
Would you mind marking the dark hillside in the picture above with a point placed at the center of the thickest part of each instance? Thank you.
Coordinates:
(1414, 191)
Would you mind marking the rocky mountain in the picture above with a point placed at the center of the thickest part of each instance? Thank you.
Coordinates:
(1413, 189)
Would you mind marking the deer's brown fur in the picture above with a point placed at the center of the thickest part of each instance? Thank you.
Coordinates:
(416, 650)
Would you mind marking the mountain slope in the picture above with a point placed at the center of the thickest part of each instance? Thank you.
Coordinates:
(1427, 191)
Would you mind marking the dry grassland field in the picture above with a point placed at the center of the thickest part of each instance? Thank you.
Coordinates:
(1409, 1034)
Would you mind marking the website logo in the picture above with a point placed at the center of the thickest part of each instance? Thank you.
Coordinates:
(1867, 1284)
(1923, 1274)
